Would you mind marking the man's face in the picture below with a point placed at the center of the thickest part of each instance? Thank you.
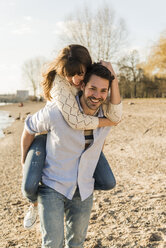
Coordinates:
(94, 94)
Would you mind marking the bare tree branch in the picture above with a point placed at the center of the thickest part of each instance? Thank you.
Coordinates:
(32, 73)
(101, 32)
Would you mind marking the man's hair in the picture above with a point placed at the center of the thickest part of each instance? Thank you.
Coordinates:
(99, 70)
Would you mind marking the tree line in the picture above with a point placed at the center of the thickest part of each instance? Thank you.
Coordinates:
(105, 36)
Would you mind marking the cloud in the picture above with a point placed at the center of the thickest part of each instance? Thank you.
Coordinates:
(22, 29)
(9, 68)
(24, 26)
(59, 28)
(28, 18)
(3, 67)
(12, 2)
(10, 76)
(21, 26)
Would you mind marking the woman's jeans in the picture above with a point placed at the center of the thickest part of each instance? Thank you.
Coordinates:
(34, 163)
(53, 206)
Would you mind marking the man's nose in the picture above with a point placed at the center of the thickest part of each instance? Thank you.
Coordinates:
(96, 94)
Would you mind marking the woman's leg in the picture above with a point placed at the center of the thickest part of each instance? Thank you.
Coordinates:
(33, 166)
(103, 175)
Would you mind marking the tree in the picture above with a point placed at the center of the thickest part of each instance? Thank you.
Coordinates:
(32, 73)
(129, 69)
(156, 62)
(155, 66)
(99, 31)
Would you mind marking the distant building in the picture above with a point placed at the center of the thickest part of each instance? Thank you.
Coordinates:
(23, 94)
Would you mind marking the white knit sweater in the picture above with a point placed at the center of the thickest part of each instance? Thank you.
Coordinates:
(64, 95)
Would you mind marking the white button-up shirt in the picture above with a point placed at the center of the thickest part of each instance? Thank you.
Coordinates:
(67, 162)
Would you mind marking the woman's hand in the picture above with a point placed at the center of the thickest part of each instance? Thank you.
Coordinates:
(105, 122)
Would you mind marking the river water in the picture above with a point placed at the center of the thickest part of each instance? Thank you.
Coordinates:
(5, 120)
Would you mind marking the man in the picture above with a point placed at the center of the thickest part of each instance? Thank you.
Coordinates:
(67, 178)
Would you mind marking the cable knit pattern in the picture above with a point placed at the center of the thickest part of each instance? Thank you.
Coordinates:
(64, 95)
(113, 111)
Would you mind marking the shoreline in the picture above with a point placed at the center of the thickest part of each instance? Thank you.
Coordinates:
(19, 113)
(133, 213)
(5, 121)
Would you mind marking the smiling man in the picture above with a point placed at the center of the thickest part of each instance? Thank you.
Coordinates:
(71, 158)
(95, 88)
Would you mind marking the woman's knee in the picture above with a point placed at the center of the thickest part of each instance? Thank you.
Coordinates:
(108, 185)
(29, 189)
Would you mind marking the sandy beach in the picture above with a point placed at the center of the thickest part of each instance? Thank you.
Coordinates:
(132, 215)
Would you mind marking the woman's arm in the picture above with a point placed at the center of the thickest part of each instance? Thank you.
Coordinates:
(64, 96)
(105, 122)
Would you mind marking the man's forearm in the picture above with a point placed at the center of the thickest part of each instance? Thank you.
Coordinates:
(115, 93)
(26, 141)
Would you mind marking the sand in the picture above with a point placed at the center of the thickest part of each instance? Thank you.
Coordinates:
(132, 215)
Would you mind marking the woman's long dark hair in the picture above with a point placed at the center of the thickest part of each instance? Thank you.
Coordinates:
(69, 62)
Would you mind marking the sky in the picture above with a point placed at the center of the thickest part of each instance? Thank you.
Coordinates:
(29, 28)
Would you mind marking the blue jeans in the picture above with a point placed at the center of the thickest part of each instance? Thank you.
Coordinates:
(35, 159)
(103, 175)
(53, 206)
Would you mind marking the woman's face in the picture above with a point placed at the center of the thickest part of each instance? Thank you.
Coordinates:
(76, 80)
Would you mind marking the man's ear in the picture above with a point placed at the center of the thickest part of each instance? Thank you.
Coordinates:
(82, 86)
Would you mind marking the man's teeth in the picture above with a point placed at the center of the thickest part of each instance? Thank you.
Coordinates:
(93, 100)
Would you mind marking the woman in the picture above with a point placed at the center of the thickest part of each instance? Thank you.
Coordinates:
(61, 83)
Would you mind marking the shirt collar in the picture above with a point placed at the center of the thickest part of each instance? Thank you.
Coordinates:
(99, 111)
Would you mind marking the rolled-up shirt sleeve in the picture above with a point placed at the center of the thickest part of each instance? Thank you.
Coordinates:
(39, 122)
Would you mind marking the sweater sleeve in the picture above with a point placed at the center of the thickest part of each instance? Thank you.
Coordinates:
(112, 111)
(64, 95)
